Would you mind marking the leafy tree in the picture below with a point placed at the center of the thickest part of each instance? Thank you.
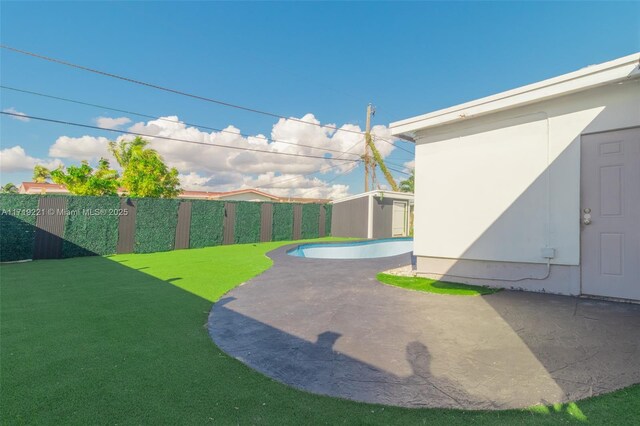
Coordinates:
(145, 173)
(84, 180)
(41, 174)
(9, 188)
(407, 184)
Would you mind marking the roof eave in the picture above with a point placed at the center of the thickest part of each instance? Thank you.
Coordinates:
(384, 192)
(621, 69)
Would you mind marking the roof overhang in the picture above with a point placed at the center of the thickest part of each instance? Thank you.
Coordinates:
(618, 70)
(378, 193)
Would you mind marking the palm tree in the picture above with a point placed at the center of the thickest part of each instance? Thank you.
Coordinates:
(41, 174)
(407, 184)
(9, 188)
(144, 172)
(124, 150)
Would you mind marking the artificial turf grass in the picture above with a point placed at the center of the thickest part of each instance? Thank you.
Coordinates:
(92, 341)
(207, 272)
(434, 286)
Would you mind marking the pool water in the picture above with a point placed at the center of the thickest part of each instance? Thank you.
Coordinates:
(370, 249)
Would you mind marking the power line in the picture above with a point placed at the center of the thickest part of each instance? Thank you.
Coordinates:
(399, 171)
(182, 93)
(276, 185)
(312, 173)
(139, 114)
(331, 180)
(391, 143)
(394, 164)
(69, 123)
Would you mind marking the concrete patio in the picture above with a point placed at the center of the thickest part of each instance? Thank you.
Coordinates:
(328, 327)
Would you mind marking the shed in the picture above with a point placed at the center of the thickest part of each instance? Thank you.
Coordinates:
(536, 188)
(373, 214)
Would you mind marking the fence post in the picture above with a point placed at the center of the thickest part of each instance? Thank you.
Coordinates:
(322, 217)
(229, 223)
(297, 221)
(127, 226)
(266, 222)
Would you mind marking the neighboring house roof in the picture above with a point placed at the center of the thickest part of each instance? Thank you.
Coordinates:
(249, 191)
(42, 188)
(615, 71)
(205, 195)
(52, 188)
(228, 194)
(379, 193)
(305, 200)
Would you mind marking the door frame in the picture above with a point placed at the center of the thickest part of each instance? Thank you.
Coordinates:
(580, 204)
(405, 230)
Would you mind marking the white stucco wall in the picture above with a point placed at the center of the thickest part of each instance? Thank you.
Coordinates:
(503, 186)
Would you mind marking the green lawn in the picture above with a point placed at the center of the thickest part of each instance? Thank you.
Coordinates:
(434, 286)
(122, 340)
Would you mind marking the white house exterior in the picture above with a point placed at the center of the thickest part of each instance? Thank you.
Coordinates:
(536, 188)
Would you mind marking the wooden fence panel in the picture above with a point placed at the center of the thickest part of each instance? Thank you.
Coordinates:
(322, 232)
(127, 227)
(183, 227)
(49, 228)
(266, 222)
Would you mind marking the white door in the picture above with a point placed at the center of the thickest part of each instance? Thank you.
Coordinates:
(610, 203)
(399, 219)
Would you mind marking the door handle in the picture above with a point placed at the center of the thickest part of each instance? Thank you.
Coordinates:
(586, 218)
(587, 221)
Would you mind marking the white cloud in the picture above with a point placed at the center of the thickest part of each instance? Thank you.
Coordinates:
(20, 116)
(190, 157)
(410, 165)
(83, 148)
(289, 185)
(15, 159)
(217, 168)
(112, 123)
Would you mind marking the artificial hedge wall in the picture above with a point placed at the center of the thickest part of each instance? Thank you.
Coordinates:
(310, 221)
(247, 224)
(156, 221)
(282, 222)
(17, 226)
(91, 227)
(207, 219)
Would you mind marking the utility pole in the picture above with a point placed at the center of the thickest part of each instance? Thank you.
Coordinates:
(367, 142)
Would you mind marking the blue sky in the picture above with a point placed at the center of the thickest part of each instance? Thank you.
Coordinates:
(325, 59)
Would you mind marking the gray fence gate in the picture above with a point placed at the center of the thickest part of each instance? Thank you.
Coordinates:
(49, 228)
(127, 227)
(228, 234)
(184, 226)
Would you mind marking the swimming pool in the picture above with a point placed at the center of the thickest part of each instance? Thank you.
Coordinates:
(355, 250)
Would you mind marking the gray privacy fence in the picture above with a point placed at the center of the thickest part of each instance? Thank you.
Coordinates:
(60, 226)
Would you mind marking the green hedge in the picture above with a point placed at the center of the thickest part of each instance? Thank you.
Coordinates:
(207, 219)
(247, 224)
(310, 221)
(156, 221)
(282, 222)
(17, 227)
(91, 227)
(327, 218)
